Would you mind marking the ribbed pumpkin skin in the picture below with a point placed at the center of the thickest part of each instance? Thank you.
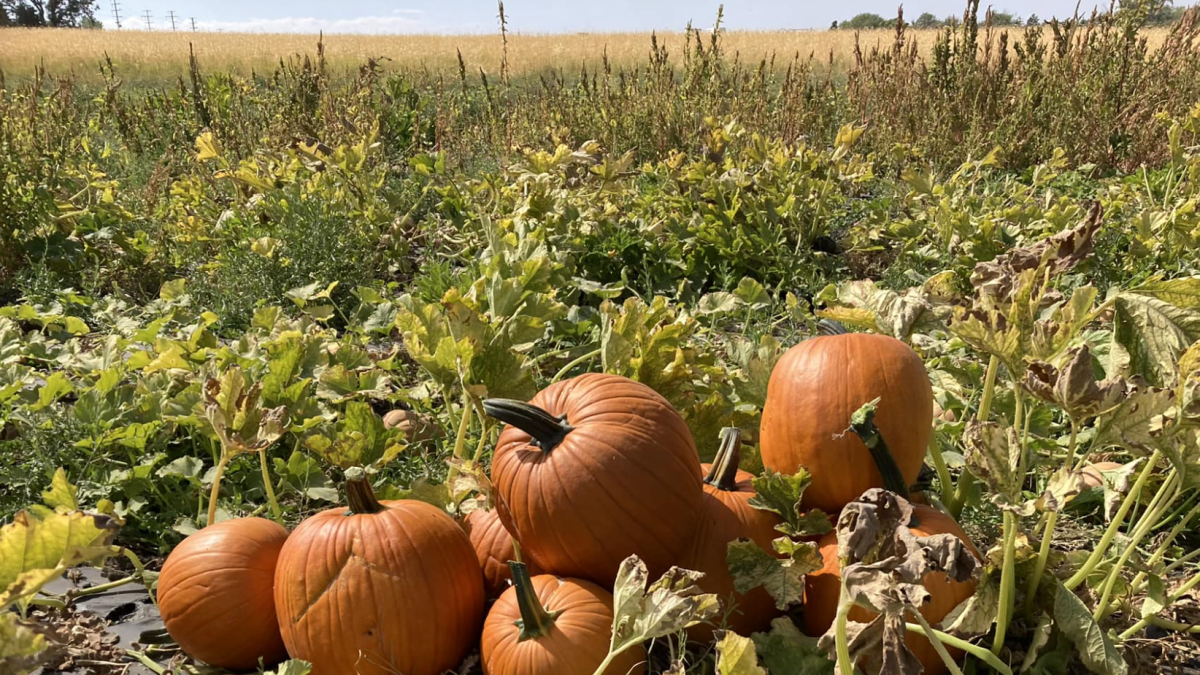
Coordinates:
(815, 388)
(726, 516)
(224, 571)
(398, 591)
(626, 480)
(822, 588)
(493, 547)
(575, 645)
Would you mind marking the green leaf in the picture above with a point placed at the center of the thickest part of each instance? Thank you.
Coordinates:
(292, 667)
(718, 303)
(34, 551)
(172, 290)
(56, 387)
(1097, 652)
(20, 647)
(1156, 597)
(304, 475)
(780, 494)
(752, 293)
(62, 496)
(1130, 424)
(783, 578)
(667, 606)
(736, 656)
(187, 467)
(1153, 331)
(786, 650)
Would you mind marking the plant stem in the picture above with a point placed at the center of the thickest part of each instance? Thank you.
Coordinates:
(844, 663)
(535, 620)
(1109, 533)
(863, 425)
(102, 588)
(574, 362)
(1039, 567)
(1179, 593)
(967, 480)
(973, 649)
(360, 496)
(266, 476)
(216, 488)
(1007, 581)
(723, 474)
(146, 661)
(1174, 625)
(546, 429)
(943, 471)
(1144, 526)
(938, 647)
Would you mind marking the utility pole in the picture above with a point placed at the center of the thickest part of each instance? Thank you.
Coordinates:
(149, 25)
(116, 9)
(172, 13)
(193, 24)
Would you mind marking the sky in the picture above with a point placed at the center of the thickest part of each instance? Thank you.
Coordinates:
(530, 16)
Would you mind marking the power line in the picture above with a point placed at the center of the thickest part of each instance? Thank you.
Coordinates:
(149, 24)
(193, 24)
(172, 13)
(116, 9)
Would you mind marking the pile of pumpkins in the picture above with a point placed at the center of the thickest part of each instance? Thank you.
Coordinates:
(592, 470)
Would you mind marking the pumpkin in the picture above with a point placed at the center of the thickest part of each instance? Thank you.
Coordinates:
(414, 426)
(823, 588)
(381, 588)
(814, 389)
(549, 625)
(1093, 474)
(728, 516)
(493, 547)
(224, 571)
(595, 469)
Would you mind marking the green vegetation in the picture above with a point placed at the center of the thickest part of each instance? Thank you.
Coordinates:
(1022, 210)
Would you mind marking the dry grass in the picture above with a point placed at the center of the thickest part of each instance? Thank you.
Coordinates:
(161, 55)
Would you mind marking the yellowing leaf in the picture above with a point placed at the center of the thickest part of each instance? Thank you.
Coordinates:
(33, 551)
(736, 656)
(19, 647)
(62, 496)
(207, 147)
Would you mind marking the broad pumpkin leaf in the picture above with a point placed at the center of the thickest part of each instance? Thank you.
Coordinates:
(1155, 323)
(736, 655)
(20, 647)
(61, 496)
(783, 578)
(667, 606)
(780, 494)
(1129, 424)
(1095, 648)
(786, 650)
(34, 551)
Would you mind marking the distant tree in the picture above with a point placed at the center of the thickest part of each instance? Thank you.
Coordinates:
(1033, 20)
(57, 13)
(91, 23)
(1164, 15)
(833, 26)
(1005, 19)
(927, 20)
(866, 20)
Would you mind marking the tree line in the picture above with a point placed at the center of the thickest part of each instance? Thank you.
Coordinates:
(1161, 15)
(49, 13)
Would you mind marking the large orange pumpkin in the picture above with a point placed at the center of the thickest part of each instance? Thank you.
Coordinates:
(215, 594)
(494, 548)
(593, 470)
(727, 516)
(381, 588)
(823, 588)
(549, 625)
(815, 388)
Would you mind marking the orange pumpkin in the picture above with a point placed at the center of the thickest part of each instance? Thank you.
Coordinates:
(493, 547)
(548, 625)
(728, 516)
(381, 588)
(593, 470)
(1093, 474)
(815, 388)
(823, 588)
(224, 572)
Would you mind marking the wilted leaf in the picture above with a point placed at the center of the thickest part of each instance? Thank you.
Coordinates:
(993, 454)
(20, 647)
(1155, 331)
(1074, 388)
(669, 605)
(207, 147)
(976, 614)
(736, 655)
(786, 650)
(292, 667)
(1062, 487)
(718, 303)
(780, 494)
(1130, 424)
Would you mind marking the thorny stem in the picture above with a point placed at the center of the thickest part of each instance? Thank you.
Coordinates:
(973, 649)
(723, 474)
(216, 488)
(1039, 567)
(1111, 532)
(967, 480)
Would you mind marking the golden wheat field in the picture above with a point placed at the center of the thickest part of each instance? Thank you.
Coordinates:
(163, 55)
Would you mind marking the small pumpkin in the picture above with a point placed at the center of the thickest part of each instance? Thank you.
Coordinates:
(413, 425)
(823, 588)
(728, 516)
(595, 469)
(814, 389)
(381, 588)
(549, 625)
(225, 570)
(494, 548)
(1093, 474)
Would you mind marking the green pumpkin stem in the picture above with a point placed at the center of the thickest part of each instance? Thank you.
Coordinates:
(546, 429)
(862, 423)
(359, 494)
(723, 473)
(535, 621)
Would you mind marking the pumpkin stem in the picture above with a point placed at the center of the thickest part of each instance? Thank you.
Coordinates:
(862, 423)
(535, 621)
(359, 494)
(546, 429)
(723, 474)
(828, 327)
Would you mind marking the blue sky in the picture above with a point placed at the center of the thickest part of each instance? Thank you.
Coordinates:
(531, 16)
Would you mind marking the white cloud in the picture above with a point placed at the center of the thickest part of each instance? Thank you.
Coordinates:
(400, 21)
